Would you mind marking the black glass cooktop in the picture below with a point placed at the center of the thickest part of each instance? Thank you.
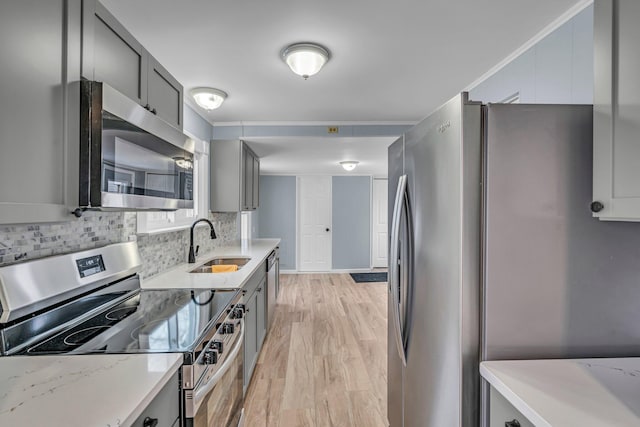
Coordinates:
(149, 321)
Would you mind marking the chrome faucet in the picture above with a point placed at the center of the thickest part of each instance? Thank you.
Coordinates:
(192, 253)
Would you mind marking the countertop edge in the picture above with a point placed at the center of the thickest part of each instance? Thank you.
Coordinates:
(517, 402)
(237, 248)
(142, 404)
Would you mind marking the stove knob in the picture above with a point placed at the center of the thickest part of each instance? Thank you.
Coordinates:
(218, 346)
(237, 313)
(210, 357)
(227, 328)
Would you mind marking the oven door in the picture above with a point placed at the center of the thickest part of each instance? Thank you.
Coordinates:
(217, 400)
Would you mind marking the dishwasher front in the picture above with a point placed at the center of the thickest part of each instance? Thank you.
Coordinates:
(273, 278)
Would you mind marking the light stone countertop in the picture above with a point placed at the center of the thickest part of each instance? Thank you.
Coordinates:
(570, 392)
(84, 390)
(179, 277)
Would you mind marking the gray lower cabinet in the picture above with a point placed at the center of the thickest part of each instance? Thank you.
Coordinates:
(254, 320)
(164, 409)
(504, 414)
(250, 337)
(40, 46)
(261, 312)
(112, 55)
(235, 177)
(616, 118)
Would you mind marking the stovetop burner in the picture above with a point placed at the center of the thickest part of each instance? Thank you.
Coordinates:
(120, 313)
(83, 335)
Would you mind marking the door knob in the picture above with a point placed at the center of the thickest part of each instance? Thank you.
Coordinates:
(327, 229)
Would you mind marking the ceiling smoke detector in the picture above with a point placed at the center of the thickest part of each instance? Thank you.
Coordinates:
(305, 59)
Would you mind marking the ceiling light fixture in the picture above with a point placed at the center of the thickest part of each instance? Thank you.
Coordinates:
(208, 98)
(349, 165)
(305, 59)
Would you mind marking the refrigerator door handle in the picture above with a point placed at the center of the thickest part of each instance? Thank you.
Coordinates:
(394, 262)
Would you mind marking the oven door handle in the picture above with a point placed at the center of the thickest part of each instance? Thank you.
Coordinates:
(203, 389)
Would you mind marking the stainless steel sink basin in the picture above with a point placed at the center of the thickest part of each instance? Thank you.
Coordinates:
(206, 267)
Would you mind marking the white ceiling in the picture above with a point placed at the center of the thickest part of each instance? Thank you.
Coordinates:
(317, 156)
(392, 61)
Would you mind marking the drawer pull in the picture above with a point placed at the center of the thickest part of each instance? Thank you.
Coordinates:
(512, 423)
(150, 422)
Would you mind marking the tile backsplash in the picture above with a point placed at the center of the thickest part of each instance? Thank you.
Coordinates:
(159, 251)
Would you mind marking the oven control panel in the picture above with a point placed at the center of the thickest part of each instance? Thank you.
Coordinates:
(90, 265)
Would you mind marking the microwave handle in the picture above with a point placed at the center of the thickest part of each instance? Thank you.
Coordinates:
(203, 389)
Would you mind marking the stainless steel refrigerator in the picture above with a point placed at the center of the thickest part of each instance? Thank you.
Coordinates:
(494, 255)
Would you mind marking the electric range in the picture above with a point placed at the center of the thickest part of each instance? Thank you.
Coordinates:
(90, 302)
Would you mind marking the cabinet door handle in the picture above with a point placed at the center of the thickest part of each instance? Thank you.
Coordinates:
(154, 111)
(147, 107)
(259, 289)
(150, 422)
(512, 423)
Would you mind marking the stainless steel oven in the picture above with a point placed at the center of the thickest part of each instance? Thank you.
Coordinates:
(217, 398)
(129, 158)
(90, 302)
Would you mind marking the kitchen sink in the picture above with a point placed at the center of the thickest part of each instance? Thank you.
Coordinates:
(206, 267)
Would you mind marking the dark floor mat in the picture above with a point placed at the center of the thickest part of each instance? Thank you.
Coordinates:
(369, 277)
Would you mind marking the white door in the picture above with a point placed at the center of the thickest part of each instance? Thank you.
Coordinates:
(379, 224)
(314, 196)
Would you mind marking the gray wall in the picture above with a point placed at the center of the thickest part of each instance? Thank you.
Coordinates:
(277, 215)
(196, 125)
(557, 70)
(351, 222)
(350, 216)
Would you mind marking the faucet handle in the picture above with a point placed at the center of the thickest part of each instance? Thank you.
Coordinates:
(197, 249)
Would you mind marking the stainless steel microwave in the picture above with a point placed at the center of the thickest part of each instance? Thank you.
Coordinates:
(129, 158)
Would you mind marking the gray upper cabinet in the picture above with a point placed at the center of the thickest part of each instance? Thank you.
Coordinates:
(255, 191)
(235, 177)
(247, 176)
(112, 55)
(616, 121)
(40, 43)
(164, 94)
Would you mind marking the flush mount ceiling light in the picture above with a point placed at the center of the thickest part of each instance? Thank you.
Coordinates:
(305, 59)
(208, 98)
(349, 165)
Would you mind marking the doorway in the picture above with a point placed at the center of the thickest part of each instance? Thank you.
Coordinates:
(315, 212)
(379, 238)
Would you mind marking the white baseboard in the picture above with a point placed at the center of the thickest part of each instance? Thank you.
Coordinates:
(336, 271)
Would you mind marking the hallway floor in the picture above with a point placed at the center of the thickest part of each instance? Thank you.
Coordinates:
(324, 362)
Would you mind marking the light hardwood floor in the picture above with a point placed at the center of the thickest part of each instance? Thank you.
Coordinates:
(324, 361)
